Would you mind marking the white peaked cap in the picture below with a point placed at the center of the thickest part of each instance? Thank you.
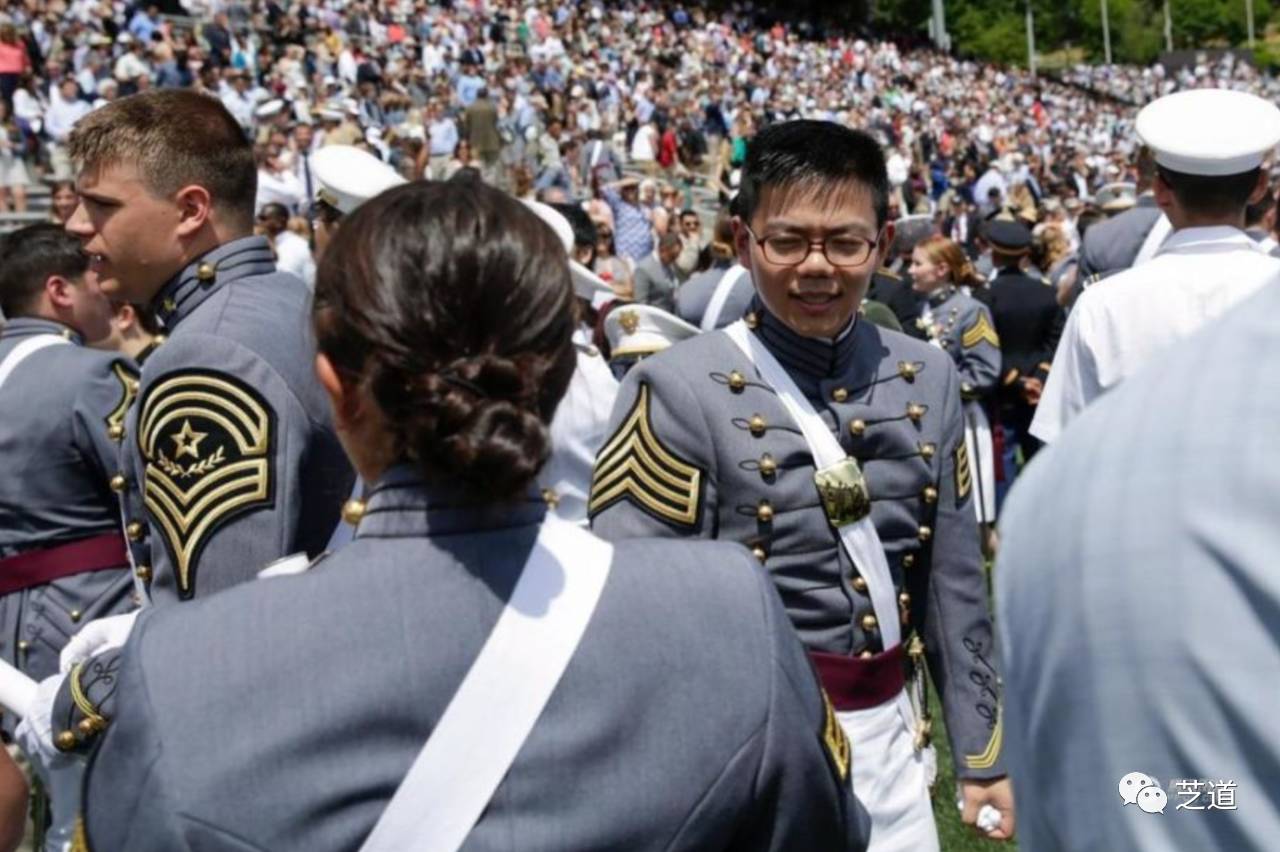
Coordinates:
(644, 330)
(350, 176)
(586, 284)
(1209, 132)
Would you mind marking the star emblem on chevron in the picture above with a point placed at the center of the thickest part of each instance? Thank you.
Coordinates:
(187, 441)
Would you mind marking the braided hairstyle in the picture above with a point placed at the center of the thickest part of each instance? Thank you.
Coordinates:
(451, 305)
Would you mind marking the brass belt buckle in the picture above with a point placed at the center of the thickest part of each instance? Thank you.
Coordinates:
(844, 492)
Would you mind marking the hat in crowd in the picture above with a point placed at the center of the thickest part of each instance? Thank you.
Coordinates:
(643, 330)
(330, 112)
(909, 231)
(1008, 235)
(1210, 132)
(1115, 197)
(349, 176)
(586, 284)
(270, 109)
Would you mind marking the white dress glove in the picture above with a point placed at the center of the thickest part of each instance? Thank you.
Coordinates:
(101, 634)
(61, 772)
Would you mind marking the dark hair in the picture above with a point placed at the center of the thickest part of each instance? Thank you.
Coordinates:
(274, 210)
(1255, 213)
(688, 211)
(815, 153)
(29, 257)
(584, 230)
(451, 304)
(1214, 195)
(669, 240)
(174, 137)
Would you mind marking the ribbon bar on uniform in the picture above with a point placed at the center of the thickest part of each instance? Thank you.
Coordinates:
(857, 684)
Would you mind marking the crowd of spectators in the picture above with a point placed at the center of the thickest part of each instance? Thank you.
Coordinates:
(565, 101)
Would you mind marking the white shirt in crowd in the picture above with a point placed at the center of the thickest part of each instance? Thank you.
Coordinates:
(294, 255)
(1119, 323)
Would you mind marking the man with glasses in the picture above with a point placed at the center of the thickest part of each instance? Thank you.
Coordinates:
(834, 450)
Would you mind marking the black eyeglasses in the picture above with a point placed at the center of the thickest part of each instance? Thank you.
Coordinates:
(794, 249)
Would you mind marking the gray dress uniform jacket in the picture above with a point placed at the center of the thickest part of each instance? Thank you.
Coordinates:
(1140, 603)
(1111, 246)
(693, 298)
(702, 448)
(962, 326)
(231, 458)
(257, 719)
(60, 408)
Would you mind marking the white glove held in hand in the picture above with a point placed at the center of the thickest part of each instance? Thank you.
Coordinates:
(101, 634)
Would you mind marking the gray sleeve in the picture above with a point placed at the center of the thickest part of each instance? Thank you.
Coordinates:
(223, 452)
(959, 640)
(979, 358)
(128, 800)
(804, 793)
(654, 475)
(103, 400)
(643, 283)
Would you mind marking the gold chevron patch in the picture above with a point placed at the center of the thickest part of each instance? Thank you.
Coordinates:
(964, 475)
(635, 466)
(991, 753)
(980, 330)
(128, 393)
(833, 737)
(206, 439)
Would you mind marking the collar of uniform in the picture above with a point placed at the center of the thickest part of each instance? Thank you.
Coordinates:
(402, 504)
(941, 295)
(230, 261)
(30, 326)
(809, 355)
(1209, 239)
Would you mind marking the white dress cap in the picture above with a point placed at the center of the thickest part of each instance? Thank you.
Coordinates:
(643, 330)
(1210, 132)
(348, 176)
(586, 284)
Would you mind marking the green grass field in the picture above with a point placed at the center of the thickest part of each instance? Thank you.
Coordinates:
(954, 835)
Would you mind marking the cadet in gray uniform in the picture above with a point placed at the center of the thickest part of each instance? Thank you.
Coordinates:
(694, 297)
(1138, 594)
(229, 458)
(688, 718)
(703, 448)
(1112, 246)
(62, 556)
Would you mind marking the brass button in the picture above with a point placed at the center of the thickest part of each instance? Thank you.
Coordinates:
(117, 483)
(144, 573)
(839, 394)
(24, 645)
(907, 370)
(115, 432)
(65, 741)
(169, 306)
(909, 561)
(206, 272)
(915, 411)
(549, 496)
(768, 466)
(904, 603)
(76, 615)
(758, 553)
(353, 511)
(929, 494)
(752, 319)
(737, 382)
(866, 655)
(860, 585)
(869, 622)
(764, 512)
(927, 451)
(87, 728)
(133, 531)
(857, 427)
(756, 424)
(925, 533)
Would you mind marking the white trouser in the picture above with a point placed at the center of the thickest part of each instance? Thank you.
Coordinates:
(891, 778)
(982, 461)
